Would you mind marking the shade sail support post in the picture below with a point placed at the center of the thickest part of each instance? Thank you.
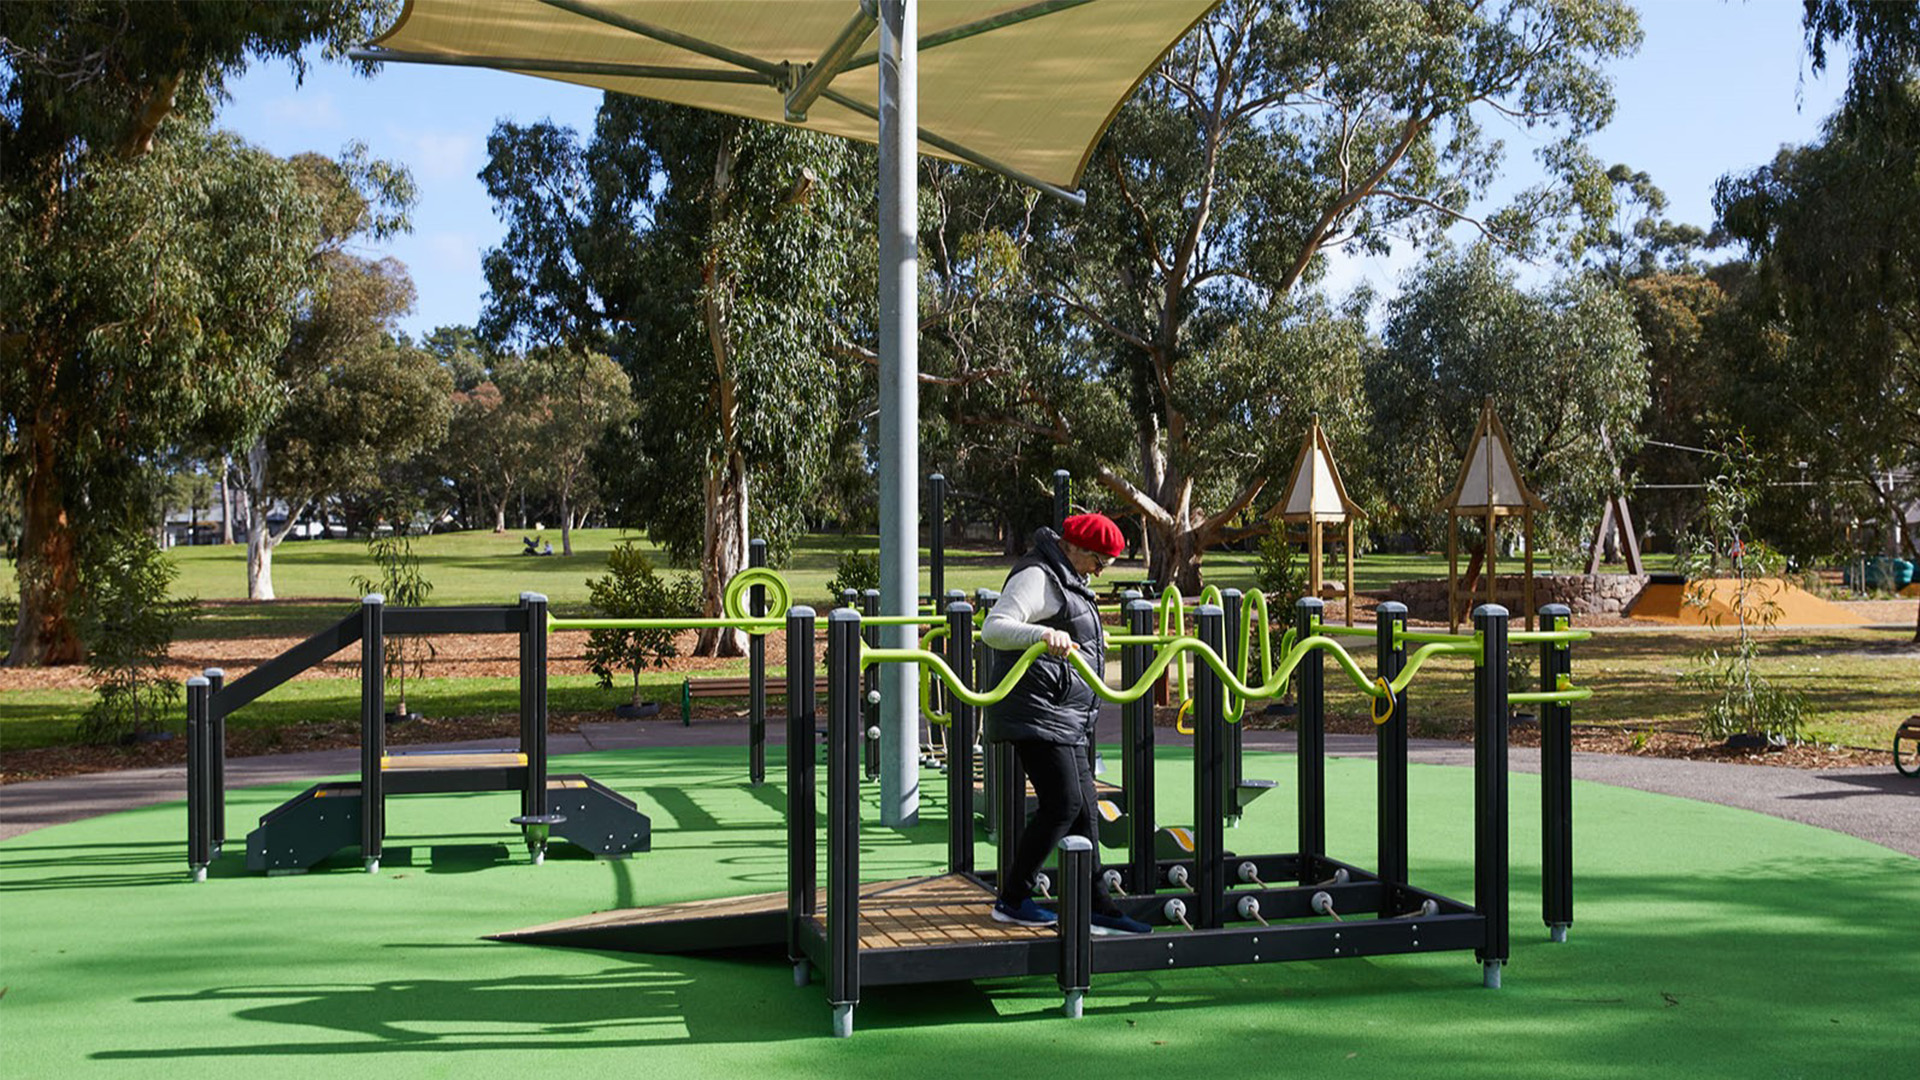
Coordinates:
(899, 405)
(833, 60)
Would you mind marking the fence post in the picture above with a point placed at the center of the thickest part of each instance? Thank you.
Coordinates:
(1136, 759)
(845, 736)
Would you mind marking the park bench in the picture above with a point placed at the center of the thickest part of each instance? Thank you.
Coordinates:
(731, 686)
(1906, 758)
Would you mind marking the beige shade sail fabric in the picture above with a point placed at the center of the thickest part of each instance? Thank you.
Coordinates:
(1033, 95)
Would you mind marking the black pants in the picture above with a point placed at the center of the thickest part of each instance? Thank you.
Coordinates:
(1062, 780)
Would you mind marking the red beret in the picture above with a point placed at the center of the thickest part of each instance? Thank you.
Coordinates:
(1095, 532)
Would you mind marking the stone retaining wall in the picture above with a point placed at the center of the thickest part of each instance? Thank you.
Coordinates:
(1585, 594)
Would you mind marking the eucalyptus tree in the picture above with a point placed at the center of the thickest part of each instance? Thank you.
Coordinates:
(727, 266)
(1274, 133)
(1562, 364)
(349, 399)
(146, 266)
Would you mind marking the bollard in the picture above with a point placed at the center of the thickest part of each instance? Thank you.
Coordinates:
(1490, 788)
(1076, 921)
(1556, 778)
(1390, 657)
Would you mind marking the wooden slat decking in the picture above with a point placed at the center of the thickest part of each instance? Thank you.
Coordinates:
(945, 910)
(504, 760)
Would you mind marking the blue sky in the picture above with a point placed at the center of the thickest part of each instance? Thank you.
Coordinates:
(1716, 87)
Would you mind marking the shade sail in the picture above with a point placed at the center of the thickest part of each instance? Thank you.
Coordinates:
(1489, 477)
(1316, 493)
(1026, 86)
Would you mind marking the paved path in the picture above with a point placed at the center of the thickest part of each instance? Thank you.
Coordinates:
(1871, 802)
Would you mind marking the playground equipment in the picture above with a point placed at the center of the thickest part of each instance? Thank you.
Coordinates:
(327, 817)
(1231, 909)
(1489, 488)
(1316, 498)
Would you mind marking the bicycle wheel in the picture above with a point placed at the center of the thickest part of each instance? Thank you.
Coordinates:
(1906, 754)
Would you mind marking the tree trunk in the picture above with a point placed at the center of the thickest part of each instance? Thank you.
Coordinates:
(48, 567)
(1175, 558)
(226, 500)
(724, 551)
(500, 516)
(260, 539)
(566, 520)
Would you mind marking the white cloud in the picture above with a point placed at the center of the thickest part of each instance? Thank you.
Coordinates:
(311, 111)
(439, 155)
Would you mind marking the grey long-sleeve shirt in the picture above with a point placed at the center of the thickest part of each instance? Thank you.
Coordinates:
(1028, 597)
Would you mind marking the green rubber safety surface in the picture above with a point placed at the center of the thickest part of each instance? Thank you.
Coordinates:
(1707, 942)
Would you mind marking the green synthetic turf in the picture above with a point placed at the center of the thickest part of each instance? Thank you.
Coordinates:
(1707, 942)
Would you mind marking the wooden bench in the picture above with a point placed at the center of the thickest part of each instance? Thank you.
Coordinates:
(1907, 761)
(731, 686)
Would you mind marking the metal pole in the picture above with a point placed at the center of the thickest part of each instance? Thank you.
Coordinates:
(936, 537)
(1209, 809)
(199, 831)
(869, 711)
(533, 724)
(960, 742)
(1390, 657)
(1231, 774)
(757, 672)
(844, 738)
(216, 751)
(1556, 779)
(1490, 787)
(1076, 922)
(1136, 757)
(1062, 487)
(373, 730)
(802, 864)
(1310, 720)
(899, 403)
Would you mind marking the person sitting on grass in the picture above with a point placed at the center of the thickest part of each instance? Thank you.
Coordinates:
(1049, 715)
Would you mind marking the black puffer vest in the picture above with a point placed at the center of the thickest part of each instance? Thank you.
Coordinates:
(1051, 703)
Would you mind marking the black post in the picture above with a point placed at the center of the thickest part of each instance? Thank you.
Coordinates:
(845, 736)
(1490, 787)
(1390, 657)
(869, 711)
(757, 674)
(1062, 486)
(1136, 758)
(373, 730)
(985, 670)
(960, 741)
(1209, 766)
(1310, 688)
(802, 865)
(533, 717)
(1232, 603)
(216, 751)
(1556, 779)
(1076, 921)
(199, 821)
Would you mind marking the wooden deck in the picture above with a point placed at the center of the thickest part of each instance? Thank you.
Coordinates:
(499, 760)
(920, 912)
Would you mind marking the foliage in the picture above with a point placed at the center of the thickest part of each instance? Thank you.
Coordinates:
(1881, 40)
(1563, 366)
(856, 570)
(724, 264)
(631, 589)
(569, 399)
(402, 584)
(1828, 324)
(1280, 572)
(147, 266)
(1269, 136)
(1743, 701)
(128, 623)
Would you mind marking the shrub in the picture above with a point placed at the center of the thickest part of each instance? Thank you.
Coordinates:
(402, 585)
(632, 589)
(856, 570)
(1280, 572)
(128, 625)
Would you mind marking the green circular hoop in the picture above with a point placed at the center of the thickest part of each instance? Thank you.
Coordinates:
(734, 600)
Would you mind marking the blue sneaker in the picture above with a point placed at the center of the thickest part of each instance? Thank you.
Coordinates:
(1118, 923)
(1025, 913)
